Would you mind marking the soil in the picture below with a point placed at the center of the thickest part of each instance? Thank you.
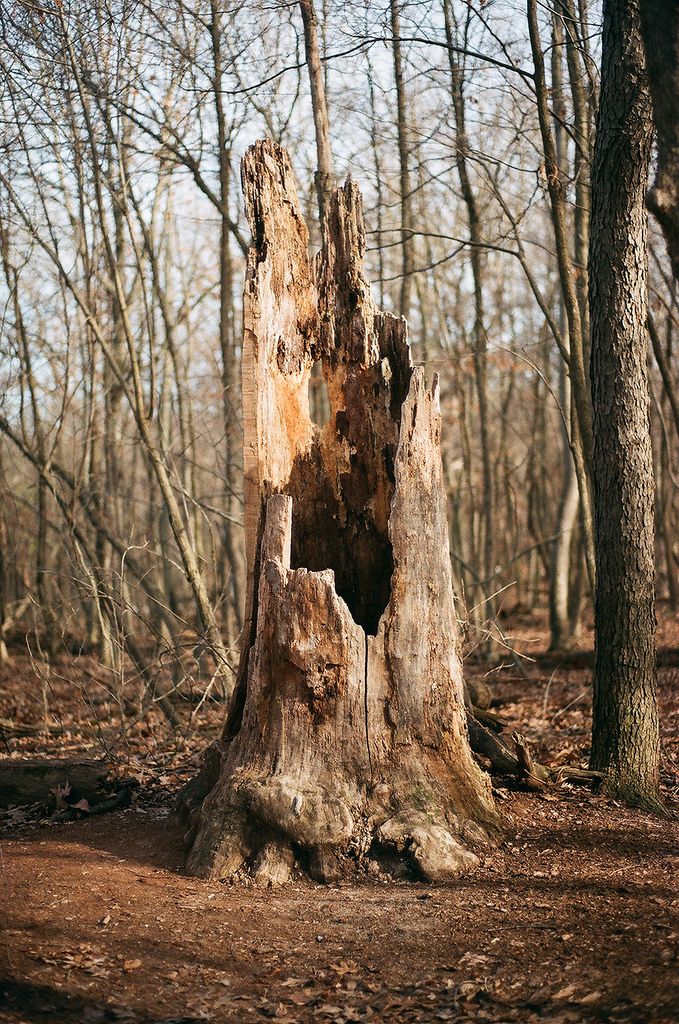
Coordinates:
(574, 916)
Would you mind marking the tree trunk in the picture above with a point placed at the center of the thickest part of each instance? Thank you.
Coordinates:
(660, 27)
(403, 136)
(226, 324)
(560, 623)
(666, 523)
(480, 335)
(346, 746)
(4, 589)
(625, 717)
(581, 428)
(324, 173)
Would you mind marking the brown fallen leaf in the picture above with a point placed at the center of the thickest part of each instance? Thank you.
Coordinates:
(564, 993)
(131, 965)
(344, 967)
(587, 1000)
(300, 998)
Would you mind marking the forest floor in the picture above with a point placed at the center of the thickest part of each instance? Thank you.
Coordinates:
(573, 917)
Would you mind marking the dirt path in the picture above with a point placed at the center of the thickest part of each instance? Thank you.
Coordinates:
(573, 918)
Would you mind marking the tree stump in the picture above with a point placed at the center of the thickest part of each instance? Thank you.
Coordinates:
(346, 745)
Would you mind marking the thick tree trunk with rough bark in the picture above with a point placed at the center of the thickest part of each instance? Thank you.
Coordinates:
(625, 718)
(346, 747)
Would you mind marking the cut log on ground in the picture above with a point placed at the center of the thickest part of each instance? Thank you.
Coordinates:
(346, 746)
(30, 781)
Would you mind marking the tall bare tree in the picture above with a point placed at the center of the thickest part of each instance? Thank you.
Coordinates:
(625, 716)
(324, 171)
(404, 158)
(477, 260)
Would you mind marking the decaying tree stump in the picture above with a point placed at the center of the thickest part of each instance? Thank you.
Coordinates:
(346, 743)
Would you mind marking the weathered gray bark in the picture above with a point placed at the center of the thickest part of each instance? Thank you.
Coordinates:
(660, 27)
(346, 745)
(4, 589)
(625, 719)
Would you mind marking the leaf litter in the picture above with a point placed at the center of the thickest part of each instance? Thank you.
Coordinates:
(572, 918)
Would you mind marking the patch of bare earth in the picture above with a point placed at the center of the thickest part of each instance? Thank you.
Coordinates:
(573, 917)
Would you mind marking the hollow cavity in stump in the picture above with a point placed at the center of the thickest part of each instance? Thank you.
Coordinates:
(345, 748)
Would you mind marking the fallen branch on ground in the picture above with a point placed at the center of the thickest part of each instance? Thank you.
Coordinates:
(519, 762)
(23, 729)
(121, 799)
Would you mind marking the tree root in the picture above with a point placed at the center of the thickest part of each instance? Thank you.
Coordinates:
(404, 846)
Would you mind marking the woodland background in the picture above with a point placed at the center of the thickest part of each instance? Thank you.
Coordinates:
(122, 244)
(122, 563)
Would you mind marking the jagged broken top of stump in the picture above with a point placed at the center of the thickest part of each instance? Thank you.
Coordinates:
(298, 311)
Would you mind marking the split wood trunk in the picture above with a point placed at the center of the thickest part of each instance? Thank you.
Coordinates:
(346, 746)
